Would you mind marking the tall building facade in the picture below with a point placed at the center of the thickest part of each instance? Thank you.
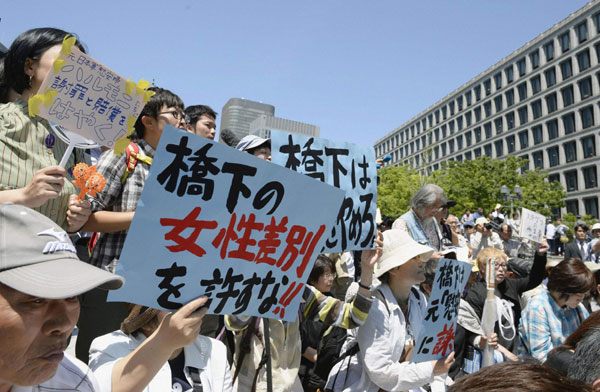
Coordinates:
(263, 125)
(238, 113)
(541, 103)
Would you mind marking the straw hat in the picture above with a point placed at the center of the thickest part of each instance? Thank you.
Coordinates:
(398, 248)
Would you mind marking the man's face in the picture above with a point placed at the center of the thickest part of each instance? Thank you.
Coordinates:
(33, 336)
(506, 232)
(170, 116)
(581, 233)
(205, 127)
(596, 233)
(452, 221)
(411, 271)
(469, 230)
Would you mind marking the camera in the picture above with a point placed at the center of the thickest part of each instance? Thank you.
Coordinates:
(488, 226)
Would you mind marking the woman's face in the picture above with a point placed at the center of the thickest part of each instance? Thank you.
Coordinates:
(574, 300)
(38, 69)
(412, 271)
(325, 281)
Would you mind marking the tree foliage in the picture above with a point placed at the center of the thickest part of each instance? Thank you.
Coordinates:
(396, 187)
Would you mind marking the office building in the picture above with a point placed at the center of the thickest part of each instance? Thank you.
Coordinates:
(263, 125)
(541, 103)
(238, 113)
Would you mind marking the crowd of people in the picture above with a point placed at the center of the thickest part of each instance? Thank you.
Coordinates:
(361, 313)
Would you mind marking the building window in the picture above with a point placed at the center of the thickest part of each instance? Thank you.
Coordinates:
(523, 115)
(498, 103)
(583, 60)
(477, 112)
(565, 42)
(459, 142)
(538, 159)
(581, 30)
(538, 137)
(596, 18)
(412, 147)
(522, 88)
(510, 144)
(589, 146)
(566, 69)
(468, 156)
(536, 108)
(567, 96)
(451, 127)
(459, 103)
(508, 72)
(536, 84)
(477, 134)
(551, 102)
(521, 66)
(437, 116)
(525, 166)
(572, 206)
(571, 180)
(488, 150)
(569, 123)
(498, 125)
(436, 132)
(552, 128)
(498, 80)
(468, 116)
(553, 159)
(591, 206)
(436, 166)
(587, 117)
(585, 87)
(444, 131)
(589, 177)
(436, 152)
(451, 106)
(487, 108)
(499, 147)
(550, 75)
(524, 139)
(549, 50)
(443, 149)
(570, 152)
(477, 152)
(468, 138)
(597, 48)
(488, 130)
(444, 112)
(487, 86)
(554, 178)
(510, 120)
(534, 58)
(468, 98)
(477, 91)
(510, 97)
(459, 123)
(417, 144)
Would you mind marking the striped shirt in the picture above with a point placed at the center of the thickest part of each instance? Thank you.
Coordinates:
(23, 152)
(118, 197)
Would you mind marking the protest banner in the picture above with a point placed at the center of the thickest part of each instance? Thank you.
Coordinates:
(347, 166)
(89, 99)
(218, 222)
(436, 336)
(533, 225)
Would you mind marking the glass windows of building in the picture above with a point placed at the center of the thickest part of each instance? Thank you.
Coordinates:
(417, 144)
(468, 116)
(451, 127)
(468, 98)
(508, 72)
(591, 206)
(468, 138)
(459, 103)
(477, 152)
(477, 91)
(585, 87)
(459, 142)
(534, 58)
(571, 180)
(554, 178)
(477, 112)
(566, 69)
(488, 150)
(487, 86)
(522, 89)
(477, 132)
(583, 60)
(444, 112)
(524, 139)
(581, 31)
(550, 75)
(538, 159)
(510, 120)
(510, 97)
(436, 152)
(536, 108)
(443, 149)
(523, 114)
(569, 123)
(498, 81)
(499, 147)
(589, 146)
(487, 108)
(549, 50)
(451, 107)
(510, 144)
(572, 206)
(522, 66)
(525, 166)
(437, 116)
(487, 127)
(597, 49)
(590, 179)
(498, 125)
(587, 116)
(567, 96)
(552, 128)
(596, 19)
(459, 123)
(570, 151)
(551, 102)
(565, 41)
(498, 103)
(536, 84)
(436, 132)
(412, 147)
(553, 159)
(468, 156)
(538, 136)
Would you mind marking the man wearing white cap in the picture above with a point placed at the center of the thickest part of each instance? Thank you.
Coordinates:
(40, 278)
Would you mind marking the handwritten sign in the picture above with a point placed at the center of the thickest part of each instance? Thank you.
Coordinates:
(344, 165)
(533, 225)
(218, 222)
(436, 336)
(88, 98)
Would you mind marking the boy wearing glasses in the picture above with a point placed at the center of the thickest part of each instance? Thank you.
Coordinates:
(113, 209)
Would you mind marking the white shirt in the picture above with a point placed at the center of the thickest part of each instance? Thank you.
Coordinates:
(550, 231)
(479, 242)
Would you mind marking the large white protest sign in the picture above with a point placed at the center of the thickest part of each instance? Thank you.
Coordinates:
(436, 336)
(218, 222)
(533, 225)
(347, 166)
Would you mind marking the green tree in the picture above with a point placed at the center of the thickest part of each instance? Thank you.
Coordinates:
(396, 187)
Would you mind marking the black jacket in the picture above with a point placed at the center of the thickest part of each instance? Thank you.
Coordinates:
(572, 250)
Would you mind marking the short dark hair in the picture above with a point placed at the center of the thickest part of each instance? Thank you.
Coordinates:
(429, 269)
(517, 376)
(571, 276)
(194, 112)
(163, 97)
(322, 263)
(585, 364)
(30, 44)
(583, 225)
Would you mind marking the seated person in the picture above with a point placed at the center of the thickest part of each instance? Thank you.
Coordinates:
(40, 278)
(160, 351)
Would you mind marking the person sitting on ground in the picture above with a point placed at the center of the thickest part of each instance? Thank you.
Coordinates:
(160, 351)
(40, 278)
(484, 237)
(585, 365)
(555, 313)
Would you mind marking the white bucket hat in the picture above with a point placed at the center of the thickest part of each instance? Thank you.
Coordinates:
(398, 248)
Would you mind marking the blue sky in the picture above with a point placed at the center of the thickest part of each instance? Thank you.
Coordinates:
(356, 69)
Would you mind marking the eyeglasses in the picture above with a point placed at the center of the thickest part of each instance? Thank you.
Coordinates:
(178, 115)
(500, 265)
(329, 275)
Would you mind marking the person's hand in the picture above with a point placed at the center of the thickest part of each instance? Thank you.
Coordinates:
(78, 213)
(437, 255)
(370, 256)
(442, 366)
(182, 327)
(492, 341)
(542, 246)
(46, 184)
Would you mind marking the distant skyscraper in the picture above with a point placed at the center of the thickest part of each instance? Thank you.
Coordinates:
(238, 113)
(263, 125)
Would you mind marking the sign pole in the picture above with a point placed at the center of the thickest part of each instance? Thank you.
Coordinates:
(268, 351)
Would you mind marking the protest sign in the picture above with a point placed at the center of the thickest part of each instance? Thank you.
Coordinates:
(347, 166)
(436, 336)
(218, 222)
(533, 225)
(89, 99)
